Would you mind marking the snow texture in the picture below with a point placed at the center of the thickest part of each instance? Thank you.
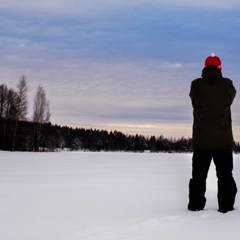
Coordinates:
(107, 196)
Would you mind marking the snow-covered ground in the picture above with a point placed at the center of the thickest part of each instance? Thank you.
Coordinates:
(107, 196)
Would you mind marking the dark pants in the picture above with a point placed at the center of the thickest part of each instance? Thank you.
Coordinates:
(223, 160)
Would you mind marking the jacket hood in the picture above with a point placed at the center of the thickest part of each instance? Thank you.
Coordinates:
(211, 72)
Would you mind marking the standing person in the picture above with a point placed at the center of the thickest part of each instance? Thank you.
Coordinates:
(212, 96)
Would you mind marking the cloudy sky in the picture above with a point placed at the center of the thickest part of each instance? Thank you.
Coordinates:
(122, 65)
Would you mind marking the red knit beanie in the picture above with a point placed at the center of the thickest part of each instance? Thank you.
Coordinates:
(213, 60)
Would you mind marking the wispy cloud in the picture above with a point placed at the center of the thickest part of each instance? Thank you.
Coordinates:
(116, 65)
(97, 6)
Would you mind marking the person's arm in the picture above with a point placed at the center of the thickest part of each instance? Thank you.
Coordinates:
(191, 94)
(232, 90)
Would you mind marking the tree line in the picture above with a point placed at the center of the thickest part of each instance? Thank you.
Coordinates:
(13, 117)
(18, 133)
(57, 138)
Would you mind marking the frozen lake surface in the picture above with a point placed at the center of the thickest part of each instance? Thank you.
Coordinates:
(107, 196)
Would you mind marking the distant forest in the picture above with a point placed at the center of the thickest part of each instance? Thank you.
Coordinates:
(17, 133)
(54, 137)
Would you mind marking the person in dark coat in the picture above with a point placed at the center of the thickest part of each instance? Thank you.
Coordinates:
(212, 96)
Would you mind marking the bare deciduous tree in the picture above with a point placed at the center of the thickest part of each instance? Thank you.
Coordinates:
(11, 106)
(22, 98)
(41, 114)
(3, 108)
(3, 100)
(21, 105)
(8, 111)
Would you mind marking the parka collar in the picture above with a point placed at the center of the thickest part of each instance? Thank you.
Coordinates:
(211, 72)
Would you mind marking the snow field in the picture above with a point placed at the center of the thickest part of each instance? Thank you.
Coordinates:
(107, 196)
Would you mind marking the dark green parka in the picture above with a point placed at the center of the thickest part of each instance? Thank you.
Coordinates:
(212, 96)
